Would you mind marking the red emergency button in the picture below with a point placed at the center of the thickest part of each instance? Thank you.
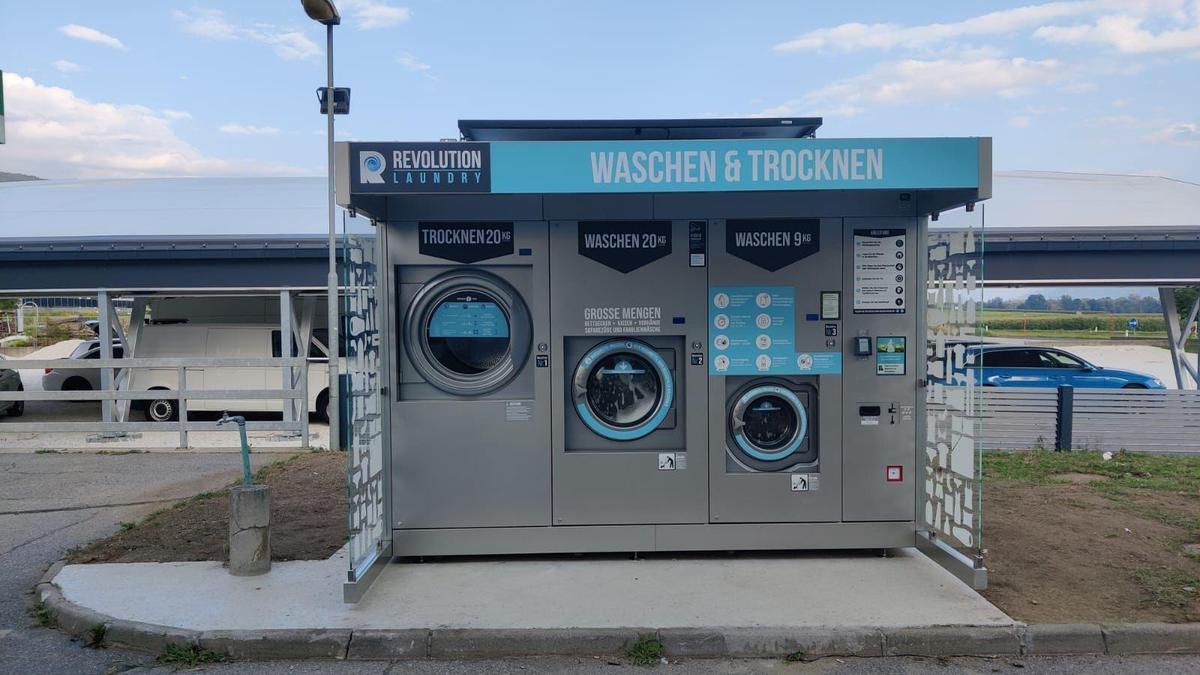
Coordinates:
(895, 474)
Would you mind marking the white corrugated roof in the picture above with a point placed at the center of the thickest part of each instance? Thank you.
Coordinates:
(1054, 199)
(241, 206)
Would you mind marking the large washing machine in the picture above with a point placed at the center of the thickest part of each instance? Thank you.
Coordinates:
(471, 409)
(628, 311)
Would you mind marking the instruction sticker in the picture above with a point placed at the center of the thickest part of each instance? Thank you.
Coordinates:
(880, 266)
(518, 411)
(889, 355)
(752, 331)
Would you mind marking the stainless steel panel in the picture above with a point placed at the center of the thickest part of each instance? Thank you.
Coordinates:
(871, 449)
(742, 497)
(481, 461)
(617, 482)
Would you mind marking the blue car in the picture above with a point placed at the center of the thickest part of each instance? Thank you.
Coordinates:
(1025, 366)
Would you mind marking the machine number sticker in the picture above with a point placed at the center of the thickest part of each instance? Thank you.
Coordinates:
(880, 267)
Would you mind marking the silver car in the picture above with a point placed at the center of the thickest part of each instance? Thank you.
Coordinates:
(79, 379)
(10, 380)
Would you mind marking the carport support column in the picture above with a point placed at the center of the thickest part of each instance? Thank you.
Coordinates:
(104, 308)
(1177, 336)
(285, 351)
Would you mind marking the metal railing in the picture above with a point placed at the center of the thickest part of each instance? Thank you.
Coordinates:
(1068, 418)
(181, 393)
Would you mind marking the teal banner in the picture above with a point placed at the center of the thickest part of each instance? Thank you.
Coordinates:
(738, 165)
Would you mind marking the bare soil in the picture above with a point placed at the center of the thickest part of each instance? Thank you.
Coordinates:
(1064, 551)
(1067, 553)
(308, 519)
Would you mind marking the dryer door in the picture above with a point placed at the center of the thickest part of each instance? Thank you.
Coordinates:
(623, 389)
(769, 427)
(468, 333)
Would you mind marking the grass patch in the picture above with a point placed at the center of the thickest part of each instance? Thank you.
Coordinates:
(647, 651)
(1165, 587)
(93, 638)
(1125, 471)
(118, 453)
(47, 451)
(795, 657)
(127, 525)
(44, 616)
(189, 656)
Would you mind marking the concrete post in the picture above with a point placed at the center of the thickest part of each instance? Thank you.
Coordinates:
(249, 530)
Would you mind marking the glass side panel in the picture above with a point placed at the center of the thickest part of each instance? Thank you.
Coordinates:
(953, 466)
(362, 373)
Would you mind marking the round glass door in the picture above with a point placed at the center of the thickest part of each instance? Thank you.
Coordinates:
(623, 389)
(768, 423)
(468, 333)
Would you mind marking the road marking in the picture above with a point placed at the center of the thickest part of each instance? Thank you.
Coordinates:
(4, 633)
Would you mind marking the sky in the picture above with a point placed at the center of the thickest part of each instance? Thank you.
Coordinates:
(208, 88)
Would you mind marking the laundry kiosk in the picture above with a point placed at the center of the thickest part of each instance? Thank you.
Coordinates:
(653, 335)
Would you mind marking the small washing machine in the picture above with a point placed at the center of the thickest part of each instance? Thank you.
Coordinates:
(771, 426)
(471, 407)
(628, 314)
(775, 372)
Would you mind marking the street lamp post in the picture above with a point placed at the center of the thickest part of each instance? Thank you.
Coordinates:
(324, 11)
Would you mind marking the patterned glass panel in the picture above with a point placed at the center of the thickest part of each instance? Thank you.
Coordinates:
(361, 340)
(952, 460)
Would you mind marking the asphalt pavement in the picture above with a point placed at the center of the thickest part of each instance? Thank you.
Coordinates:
(1082, 665)
(50, 503)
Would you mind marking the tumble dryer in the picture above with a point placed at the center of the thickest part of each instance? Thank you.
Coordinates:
(471, 408)
(628, 313)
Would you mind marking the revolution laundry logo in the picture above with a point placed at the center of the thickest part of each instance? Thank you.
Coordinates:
(423, 167)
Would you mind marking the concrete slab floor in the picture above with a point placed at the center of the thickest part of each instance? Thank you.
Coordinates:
(827, 589)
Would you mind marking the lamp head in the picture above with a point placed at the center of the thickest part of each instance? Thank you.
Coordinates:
(322, 11)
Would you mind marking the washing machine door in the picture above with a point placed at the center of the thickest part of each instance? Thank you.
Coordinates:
(769, 425)
(468, 332)
(623, 389)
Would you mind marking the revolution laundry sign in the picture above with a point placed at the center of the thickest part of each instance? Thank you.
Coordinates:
(531, 167)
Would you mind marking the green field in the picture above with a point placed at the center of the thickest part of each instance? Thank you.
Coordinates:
(1073, 325)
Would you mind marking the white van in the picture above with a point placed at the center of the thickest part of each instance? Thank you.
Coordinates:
(224, 340)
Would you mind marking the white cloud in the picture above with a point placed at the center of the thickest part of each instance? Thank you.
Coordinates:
(1020, 121)
(1119, 121)
(55, 134)
(413, 64)
(289, 44)
(87, 34)
(912, 80)
(368, 14)
(65, 66)
(1186, 134)
(1038, 17)
(1126, 34)
(176, 114)
(248, 130)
